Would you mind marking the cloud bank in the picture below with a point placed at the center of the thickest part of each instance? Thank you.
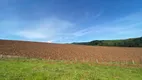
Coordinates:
(48, 29)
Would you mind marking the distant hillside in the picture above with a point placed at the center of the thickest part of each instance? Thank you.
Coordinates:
(132, 42)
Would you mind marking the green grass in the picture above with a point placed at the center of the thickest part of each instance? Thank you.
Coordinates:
(35, 69)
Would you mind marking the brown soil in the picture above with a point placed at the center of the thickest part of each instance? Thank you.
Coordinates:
(70, 52)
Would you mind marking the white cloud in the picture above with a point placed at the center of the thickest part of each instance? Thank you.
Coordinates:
(47, 29)
(130, 22)
(126, 26)
(49, 41)
(32, 34)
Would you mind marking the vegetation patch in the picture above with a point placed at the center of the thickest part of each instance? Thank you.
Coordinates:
(133, 42)
(38, 69)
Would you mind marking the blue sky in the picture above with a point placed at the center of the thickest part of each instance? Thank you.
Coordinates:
(63, 21)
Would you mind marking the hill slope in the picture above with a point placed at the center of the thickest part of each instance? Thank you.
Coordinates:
(132, 42)
(69, 51)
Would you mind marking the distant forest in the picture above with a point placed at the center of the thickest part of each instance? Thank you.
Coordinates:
(131, 42)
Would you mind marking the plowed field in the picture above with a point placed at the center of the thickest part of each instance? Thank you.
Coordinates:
(70, 52)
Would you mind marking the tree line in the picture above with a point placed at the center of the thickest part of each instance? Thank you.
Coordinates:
(132, 42)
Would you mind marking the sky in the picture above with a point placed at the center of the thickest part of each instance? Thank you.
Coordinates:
(67, 21)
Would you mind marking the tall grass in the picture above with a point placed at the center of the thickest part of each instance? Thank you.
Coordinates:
(35, 69)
